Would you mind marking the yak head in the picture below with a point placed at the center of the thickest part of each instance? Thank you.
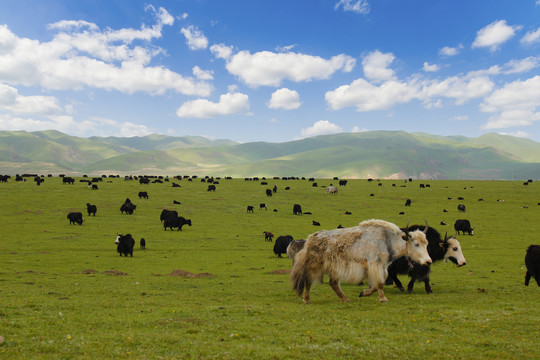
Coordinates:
(417, 245)
(453, 251)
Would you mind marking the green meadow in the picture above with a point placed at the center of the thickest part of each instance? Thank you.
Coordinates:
(216, 290)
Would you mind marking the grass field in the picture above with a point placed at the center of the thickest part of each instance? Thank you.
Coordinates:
(65, 293)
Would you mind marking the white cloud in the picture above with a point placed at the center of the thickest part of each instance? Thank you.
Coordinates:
(195, 39)
(358, 6)
(460, 118)
(515, 104)
(221, 51)
(66, 124)
(366, 96)
(202, 74)
(431, 67)
(72, 24)
(230, 103)
(531, 37)
(376, 66)
(494, 34)
(520, 134)
(450, 51)
(88, 57)
(270, 69)
(357, 129)
(12, 101)
(321, 127)
(286, 48)
(285, 99)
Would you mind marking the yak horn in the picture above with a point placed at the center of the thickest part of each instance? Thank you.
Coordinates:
(427, 227)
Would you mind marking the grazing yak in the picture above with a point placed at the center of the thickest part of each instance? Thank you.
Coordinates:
(128, 207)
(211, 188)
(532, 262)
(461, 208)
(438, 249)
(294, 247)
(143, 244)
(143, 194)
(268, 236)
(464, 226)
(168, 213)
(92, 209)
(75, 218)
(355, 254)
(125, 244)
(280, 246)
(297, 209)
(177, 222)
(268, 192)
(408, 202)
(249, 208)
(263, 206)
(331, 190)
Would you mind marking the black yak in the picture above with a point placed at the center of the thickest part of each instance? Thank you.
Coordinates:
(438, 249)
(532, 262)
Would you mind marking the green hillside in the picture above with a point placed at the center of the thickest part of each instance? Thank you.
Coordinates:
(381, 154)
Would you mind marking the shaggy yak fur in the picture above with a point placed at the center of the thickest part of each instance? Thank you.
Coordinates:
(354, 254)
(294, 247)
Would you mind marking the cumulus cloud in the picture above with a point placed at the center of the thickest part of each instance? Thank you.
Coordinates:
(358, 6)
(321, 127)
(431, 67)
(284, 99)
(515, 104)
(195, 39)
(81, 55)
(366, 96)
(12, 101)
(531, 37)
(202, 74)
(376, 66)
(221, 51)
(494, 35)
(229, 104)
(267, 68)
(450, 51)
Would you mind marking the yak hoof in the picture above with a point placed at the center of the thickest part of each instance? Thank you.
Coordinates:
(384, 299)
(345, 300)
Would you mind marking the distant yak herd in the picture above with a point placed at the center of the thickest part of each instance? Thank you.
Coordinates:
(375, 250)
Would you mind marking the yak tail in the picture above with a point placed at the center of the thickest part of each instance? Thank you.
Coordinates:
(299, 272)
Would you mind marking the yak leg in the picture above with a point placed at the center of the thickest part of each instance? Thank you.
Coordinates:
(380, 291)
(411, 285)
(398, 283)
(427, 286)
(307, 284)
(337, 289)
(527, 278)
(378, 288)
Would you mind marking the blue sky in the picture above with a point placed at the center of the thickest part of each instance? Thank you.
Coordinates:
(270, 70)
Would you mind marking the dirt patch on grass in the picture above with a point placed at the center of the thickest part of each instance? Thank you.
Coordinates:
(115, 273)
(281, 271)
(89, 271)
(190, 274)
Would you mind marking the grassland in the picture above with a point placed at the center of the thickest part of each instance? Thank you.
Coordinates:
(66, 294)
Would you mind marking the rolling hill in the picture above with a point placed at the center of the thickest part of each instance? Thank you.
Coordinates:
(381, 154)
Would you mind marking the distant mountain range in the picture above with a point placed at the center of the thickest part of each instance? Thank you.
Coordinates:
(377, 154)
